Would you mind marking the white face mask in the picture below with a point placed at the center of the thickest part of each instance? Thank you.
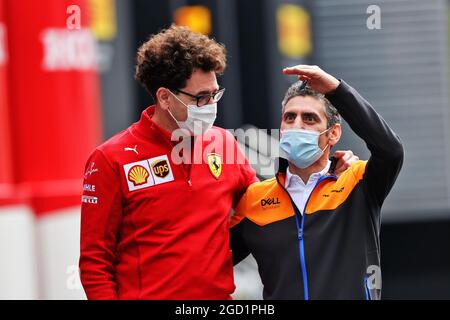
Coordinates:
(199, 119)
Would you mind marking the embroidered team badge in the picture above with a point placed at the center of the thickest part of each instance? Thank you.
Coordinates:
(215, 164)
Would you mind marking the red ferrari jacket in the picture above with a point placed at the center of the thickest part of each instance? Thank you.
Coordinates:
(152, 228)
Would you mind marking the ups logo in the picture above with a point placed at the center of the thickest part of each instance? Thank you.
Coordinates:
(269, 202)
(161, 168)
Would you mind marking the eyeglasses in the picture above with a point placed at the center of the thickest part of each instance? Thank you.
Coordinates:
(203, 99)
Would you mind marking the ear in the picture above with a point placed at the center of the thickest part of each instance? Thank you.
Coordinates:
(335, 134)
(163, 98)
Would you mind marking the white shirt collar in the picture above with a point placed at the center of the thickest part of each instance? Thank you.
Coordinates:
(292, 179)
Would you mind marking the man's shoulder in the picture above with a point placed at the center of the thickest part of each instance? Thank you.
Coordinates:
(105, 152)
(117, 140)
(263, 203)
(262, 186)
(266, 191)
(259, 190)
(116, 143)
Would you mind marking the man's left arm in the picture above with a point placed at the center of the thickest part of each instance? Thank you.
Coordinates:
(244, 175)
(385, 146)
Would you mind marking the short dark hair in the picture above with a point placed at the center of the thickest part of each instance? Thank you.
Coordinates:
(169, 58)
(296, 90)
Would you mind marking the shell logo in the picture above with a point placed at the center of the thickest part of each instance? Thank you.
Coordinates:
(138, 175)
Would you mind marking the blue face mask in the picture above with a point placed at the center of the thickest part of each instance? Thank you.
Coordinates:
(301, 147)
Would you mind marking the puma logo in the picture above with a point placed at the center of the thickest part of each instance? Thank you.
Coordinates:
(132, 149)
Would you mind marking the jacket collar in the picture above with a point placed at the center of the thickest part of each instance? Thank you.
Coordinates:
(281, 165)
(149, 129)
(314, 177)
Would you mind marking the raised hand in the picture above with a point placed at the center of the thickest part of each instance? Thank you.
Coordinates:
(318, 79)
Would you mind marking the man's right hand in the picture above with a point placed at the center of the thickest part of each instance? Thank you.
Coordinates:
(318, 79)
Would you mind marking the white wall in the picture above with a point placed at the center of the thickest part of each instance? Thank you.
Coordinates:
(18, 267)
(59, 247)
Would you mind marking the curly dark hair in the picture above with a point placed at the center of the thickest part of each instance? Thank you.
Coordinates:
(296, 90)
(168, 58)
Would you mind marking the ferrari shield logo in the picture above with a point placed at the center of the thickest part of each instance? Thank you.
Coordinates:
(215, 164)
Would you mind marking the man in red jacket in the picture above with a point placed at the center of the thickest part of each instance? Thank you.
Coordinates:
(152, 226)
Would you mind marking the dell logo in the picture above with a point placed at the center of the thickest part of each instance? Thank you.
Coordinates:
(269, 202)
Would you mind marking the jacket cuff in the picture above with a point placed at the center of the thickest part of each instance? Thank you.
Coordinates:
(342, 87)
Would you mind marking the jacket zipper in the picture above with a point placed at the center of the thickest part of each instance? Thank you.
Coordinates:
(300, 234)
(186, 172)
(189, 166)
(189, 176)
(302, 256)
(366, 288)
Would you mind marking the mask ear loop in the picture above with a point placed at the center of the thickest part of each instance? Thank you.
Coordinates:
(173, 117)
(333, 160)
(325, 131)
(325, 147)
(327, 143)
(170, 112)
(173, 94)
